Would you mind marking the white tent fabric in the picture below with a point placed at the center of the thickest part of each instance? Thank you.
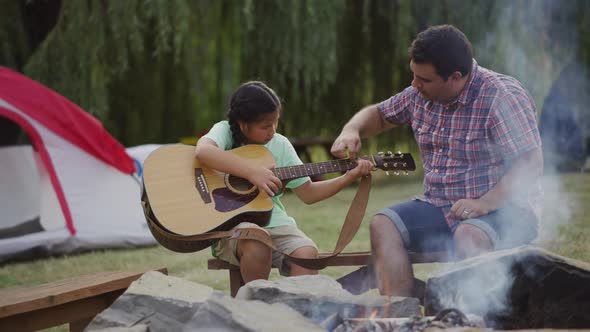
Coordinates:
(102, 202)
(20, 173)
(139, 154)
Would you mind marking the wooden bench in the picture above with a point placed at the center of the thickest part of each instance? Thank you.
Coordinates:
(75, 301)
(351, 281)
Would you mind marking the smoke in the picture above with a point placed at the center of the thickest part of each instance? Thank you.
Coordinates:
(482, 291)
(533, 41)
(537, 43)
(557, 209)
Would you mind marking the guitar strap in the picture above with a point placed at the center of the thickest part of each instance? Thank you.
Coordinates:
(351, 224)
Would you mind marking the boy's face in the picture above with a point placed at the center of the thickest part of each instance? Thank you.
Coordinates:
(261, 132)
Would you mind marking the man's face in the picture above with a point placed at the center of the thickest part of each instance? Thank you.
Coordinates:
(430, 85)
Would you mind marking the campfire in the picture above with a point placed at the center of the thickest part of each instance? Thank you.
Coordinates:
(524, 288)
(448, 318)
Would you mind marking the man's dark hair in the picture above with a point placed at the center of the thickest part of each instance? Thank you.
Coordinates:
(445, 47)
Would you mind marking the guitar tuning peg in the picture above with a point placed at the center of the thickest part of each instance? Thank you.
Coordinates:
(387, 173)
(406, 173)
(389, 153)
(400, 153)
(380, 153)
(396, 173)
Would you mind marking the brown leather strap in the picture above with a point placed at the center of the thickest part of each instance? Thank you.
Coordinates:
(351, 224)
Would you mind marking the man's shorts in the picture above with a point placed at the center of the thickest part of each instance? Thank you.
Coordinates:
(285, 238)
(423, 227)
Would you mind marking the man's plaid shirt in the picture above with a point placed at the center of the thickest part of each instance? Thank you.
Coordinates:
(469, 144)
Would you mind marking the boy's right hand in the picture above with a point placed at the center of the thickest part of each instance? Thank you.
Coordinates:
(265, 179)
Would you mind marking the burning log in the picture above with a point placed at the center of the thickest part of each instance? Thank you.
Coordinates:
(445, 319)
(317, 297)
(332, 322)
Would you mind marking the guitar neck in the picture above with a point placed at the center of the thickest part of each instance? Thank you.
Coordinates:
(288, 173)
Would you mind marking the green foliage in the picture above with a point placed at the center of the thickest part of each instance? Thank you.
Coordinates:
(155, 70)
(292, 46)
(96, 46)
(14, 49)
(583, 25)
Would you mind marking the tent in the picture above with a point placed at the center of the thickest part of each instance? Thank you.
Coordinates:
(564, 124)
(71, 188)
(563, 145)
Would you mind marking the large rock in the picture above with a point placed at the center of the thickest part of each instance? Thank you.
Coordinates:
(157, 302)
(522, 288)
(228, 314)
(317, 297)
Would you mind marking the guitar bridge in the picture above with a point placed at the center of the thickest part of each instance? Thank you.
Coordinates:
(201, 185)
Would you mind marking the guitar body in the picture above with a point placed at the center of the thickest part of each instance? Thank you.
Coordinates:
(184, 198)
(184, 202)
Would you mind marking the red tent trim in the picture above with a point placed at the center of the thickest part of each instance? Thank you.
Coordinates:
(38, 144)
(63, 117)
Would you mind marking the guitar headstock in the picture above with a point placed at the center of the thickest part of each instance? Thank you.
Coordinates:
(389, 161)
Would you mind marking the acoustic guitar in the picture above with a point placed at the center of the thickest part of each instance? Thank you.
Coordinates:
(186, 199)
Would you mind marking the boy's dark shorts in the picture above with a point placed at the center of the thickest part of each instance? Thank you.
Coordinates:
(423, 226)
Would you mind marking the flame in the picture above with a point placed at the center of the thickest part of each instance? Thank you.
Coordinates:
(374, 314)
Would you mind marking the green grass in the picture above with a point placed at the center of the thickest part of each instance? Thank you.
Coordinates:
(322, 221)
(566, 219)
(564, 230)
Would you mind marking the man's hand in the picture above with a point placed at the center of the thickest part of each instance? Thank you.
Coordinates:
(347, 141)
(366, 123)
(471, 208)
(264, 179)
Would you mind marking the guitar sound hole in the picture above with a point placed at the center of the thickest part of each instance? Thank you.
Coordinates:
(239, 185)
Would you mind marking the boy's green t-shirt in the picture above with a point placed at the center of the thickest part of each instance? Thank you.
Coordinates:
(284, 155)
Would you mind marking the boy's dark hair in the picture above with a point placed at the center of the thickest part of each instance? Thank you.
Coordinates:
(250, 103)
(445, 47)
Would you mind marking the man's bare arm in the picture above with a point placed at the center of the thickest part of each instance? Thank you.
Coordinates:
(366, 123)
(521, 175)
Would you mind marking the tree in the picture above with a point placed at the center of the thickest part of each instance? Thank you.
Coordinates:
(158, 70)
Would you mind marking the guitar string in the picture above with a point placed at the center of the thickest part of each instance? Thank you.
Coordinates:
(348, 163)
(295, 169)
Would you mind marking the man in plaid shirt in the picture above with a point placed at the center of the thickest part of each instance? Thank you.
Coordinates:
(481, 153)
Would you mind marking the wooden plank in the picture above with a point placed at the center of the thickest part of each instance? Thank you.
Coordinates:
(21, 300)
(356, 282)
(349, 259)
(235, 281)
(218, 264)
(344, 259)
(364, 258)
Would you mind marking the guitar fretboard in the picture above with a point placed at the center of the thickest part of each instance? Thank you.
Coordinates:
(313, 169)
